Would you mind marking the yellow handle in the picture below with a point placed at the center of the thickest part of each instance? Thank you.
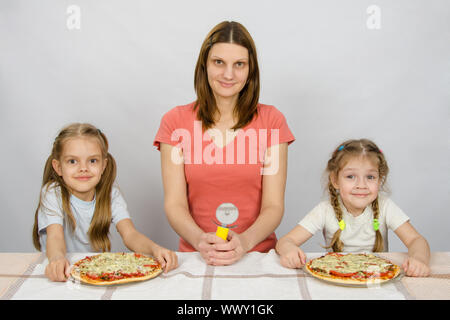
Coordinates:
(222, 232)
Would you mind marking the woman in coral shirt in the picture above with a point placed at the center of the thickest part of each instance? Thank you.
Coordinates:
(225, 147)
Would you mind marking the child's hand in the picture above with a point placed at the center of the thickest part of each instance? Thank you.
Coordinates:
(167, 258)
(293, 259)
(58, 269)
(415, 268)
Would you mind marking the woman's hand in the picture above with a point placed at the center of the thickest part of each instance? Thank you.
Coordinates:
(206, 245)
(415, 268)
(58, 269)
(228, 252)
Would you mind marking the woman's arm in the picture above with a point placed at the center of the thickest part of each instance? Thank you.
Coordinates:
(175, 197)
(272, 202)
(177, 207)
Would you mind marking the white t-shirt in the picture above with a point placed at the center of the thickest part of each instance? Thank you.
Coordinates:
(358, 234)
(51, 212)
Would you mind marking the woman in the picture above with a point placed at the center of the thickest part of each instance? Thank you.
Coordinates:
(225, 148)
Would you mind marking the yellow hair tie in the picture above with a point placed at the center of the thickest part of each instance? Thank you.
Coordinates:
(342, 224)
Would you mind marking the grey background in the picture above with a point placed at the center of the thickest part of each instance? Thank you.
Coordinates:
(131, 61)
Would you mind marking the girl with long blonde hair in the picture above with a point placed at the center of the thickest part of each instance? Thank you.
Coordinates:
(356, 217)
(78, 202)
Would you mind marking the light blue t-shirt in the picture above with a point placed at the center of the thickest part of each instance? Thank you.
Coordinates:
(51, 212)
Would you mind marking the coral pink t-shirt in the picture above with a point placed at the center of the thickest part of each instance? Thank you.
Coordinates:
(228, 173)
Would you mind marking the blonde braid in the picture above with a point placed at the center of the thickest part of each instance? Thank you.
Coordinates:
(336, 244)
(378, 246)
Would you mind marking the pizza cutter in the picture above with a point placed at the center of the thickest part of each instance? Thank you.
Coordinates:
(227, 213)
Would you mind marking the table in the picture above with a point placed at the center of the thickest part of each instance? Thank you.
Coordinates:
(258, 276)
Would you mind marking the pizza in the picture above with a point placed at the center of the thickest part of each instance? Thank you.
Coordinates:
(354, 269)
(115, 268)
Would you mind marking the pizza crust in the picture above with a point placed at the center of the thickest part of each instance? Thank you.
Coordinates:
(77, 276)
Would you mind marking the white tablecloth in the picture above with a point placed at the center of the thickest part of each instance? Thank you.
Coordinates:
(257, 276)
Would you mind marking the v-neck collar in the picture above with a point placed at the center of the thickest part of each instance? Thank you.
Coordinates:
(212, 138)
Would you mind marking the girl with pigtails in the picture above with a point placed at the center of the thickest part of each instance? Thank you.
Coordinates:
(79, 200)
(356, 217)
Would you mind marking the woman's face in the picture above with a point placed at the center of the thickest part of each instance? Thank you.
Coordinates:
(227, 67)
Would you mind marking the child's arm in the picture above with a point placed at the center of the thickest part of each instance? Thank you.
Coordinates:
(137, 242)
(416, 265)
(291, 256)
(58, 268)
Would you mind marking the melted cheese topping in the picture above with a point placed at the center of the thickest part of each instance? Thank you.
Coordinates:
(117, 263)
(350, 263)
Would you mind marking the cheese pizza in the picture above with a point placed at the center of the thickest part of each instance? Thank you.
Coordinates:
(115, 268)
(354, 269)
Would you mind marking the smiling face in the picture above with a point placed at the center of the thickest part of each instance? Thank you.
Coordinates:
(81, 166)
(358, 183)
(227, 69)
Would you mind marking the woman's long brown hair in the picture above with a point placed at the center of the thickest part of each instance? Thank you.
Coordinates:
(354, 148)
(99, 227)
(246, 107)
